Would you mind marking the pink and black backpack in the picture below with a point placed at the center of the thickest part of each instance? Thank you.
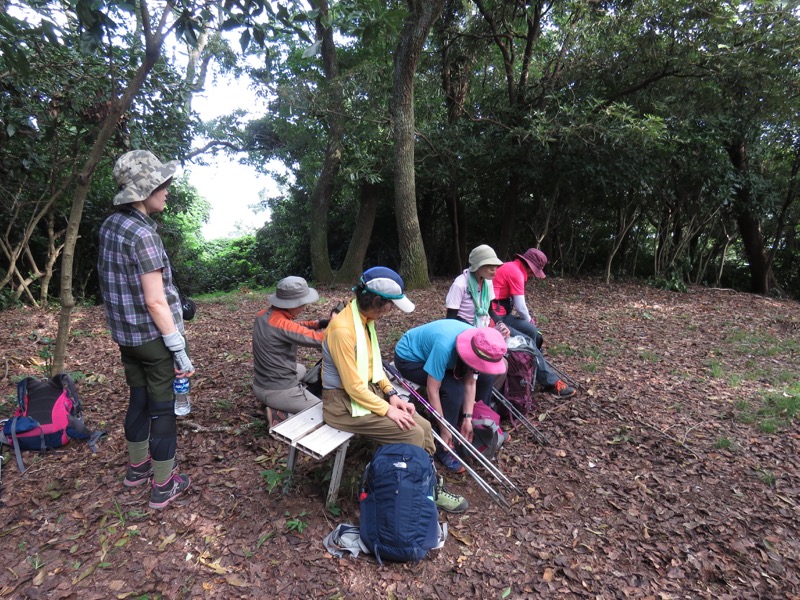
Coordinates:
(48, 415)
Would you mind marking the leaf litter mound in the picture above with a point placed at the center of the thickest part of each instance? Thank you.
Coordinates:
(665, 477)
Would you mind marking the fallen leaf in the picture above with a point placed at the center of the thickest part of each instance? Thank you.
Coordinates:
(167, 541)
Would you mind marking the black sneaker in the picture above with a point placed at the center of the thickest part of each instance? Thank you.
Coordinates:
(163, 494)
(562, 390)
(138, 474)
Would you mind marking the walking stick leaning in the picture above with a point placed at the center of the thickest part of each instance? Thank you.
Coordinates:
(518, 415)
(564, 377)
(469, 448)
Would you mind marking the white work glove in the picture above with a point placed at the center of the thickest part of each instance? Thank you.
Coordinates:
(176, 344)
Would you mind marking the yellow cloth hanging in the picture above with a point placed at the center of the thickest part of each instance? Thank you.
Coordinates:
(362, 358)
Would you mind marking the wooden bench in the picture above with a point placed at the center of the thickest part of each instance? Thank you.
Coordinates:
(307, 432)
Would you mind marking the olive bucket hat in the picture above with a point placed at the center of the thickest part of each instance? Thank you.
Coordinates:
(138, 173)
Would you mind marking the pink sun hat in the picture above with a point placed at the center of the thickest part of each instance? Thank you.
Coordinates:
(482, 349)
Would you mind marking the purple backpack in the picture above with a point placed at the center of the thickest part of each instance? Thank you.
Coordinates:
(520, 379)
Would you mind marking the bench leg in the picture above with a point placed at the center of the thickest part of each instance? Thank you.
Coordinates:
(336, 476)
(290, 463)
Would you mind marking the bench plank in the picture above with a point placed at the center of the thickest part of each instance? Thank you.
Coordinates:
(299, 425)
(321, 442)
(306, 431)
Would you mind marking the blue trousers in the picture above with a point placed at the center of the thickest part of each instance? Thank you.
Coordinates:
(451, 392)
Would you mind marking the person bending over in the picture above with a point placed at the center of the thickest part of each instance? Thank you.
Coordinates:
(457, 363)
(509, 286)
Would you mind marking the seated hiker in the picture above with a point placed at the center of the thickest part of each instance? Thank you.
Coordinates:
(470, 296)
(356, 395)
(509, 286)
(456, 363)
(276, 336)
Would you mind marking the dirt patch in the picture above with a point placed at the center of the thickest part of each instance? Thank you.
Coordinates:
(659, 480)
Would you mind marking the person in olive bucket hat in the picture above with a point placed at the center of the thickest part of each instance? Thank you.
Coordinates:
(143, 310)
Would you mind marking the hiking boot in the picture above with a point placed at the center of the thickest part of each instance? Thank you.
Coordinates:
(448, 501)
(562, 390)
(450, 462)
(163, 494)
(138, 474)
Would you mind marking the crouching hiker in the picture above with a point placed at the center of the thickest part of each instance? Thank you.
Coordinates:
(457, 363)
(356, 394)
(144, 314)
(276, 337)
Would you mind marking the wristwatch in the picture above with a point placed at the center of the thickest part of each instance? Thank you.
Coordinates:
(392, 392)
(466, 415)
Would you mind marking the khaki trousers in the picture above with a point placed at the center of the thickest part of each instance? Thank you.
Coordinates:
(336, 413)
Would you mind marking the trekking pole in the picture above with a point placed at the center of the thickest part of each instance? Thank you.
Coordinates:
(480, 481)
(517, 414)
(487, 464)
(564, 377)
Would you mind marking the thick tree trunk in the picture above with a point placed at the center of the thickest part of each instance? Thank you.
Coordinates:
(753, 242)
(749, 225)
(416, 27)
(353, 263)
(323, 190)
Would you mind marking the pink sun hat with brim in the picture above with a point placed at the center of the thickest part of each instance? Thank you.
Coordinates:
(536, 261)
(483, 350)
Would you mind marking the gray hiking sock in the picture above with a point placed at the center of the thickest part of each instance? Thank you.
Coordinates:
(162, 469)
(138, 451)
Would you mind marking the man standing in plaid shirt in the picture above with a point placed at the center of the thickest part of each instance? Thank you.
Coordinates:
(143, 311)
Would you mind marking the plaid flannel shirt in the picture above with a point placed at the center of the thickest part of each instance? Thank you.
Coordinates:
(130, 247)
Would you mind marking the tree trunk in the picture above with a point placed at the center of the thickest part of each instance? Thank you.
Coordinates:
(323, 190)
(154, 39)
(749, 225)
(353, 264)
(413, 263)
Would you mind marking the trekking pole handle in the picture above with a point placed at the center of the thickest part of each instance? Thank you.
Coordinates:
(493, 469)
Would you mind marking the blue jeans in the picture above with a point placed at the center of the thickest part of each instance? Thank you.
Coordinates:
(545, 376)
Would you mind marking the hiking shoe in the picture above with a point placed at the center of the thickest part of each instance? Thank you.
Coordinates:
(562, 390)
(163, 494)
(450, 462)
(449, 501)
(138, 474)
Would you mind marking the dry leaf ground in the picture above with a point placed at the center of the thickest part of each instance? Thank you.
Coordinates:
(659, 482)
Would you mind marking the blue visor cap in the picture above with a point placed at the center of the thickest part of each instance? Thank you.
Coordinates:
(385, 283)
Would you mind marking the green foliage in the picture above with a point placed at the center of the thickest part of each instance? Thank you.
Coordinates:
(274, 478)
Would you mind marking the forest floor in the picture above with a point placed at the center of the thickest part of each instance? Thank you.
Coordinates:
(675, 473)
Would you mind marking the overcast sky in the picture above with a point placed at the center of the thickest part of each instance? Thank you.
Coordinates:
(231, 188)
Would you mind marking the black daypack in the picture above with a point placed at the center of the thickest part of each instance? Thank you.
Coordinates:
(312, 380)
(399, 518)
(48, 414)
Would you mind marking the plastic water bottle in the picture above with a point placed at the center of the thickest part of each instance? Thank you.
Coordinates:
(181, 387)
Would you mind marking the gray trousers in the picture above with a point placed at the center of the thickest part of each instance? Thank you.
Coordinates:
(292, 400)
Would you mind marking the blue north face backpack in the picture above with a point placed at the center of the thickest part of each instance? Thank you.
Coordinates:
(399, 519)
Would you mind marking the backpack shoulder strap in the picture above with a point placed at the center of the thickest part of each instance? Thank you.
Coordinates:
(67, 383)
(22, 391)
(15, 443)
